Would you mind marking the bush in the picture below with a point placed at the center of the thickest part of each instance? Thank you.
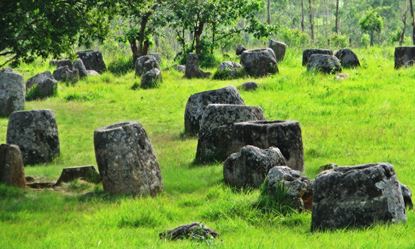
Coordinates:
(340, 41)
(365, 40)
(294, 37)
(121, 66)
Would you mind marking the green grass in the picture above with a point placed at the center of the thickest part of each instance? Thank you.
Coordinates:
(367, 118)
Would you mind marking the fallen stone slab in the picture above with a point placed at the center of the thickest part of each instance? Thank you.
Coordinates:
(307, 53)
(259, 62)
(86, 173)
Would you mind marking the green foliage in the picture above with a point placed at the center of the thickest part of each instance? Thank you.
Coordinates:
(371, 22)
(339, 41)
(42, 28)
(121, 66)
(293, 37)
(275, 200)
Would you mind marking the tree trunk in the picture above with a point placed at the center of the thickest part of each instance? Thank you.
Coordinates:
(140, 45)
(372, 38)
(302, 16)
(269, 11)
(411, 6)
(198, 38)
(310, 7)
(404, 20)
(337, 16)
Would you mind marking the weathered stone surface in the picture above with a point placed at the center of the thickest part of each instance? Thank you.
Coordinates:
(285, 135)
(239, 50)
(197, 103)
(146, 63)
(279, 49)
(348, 58)
(324, 64)
(259, 62)
(126, 160)
(12, 92)
(66, 74)
(309, 52)
(79, 65)
(61, 63)
(43, 85)
(151, 79)
(93, 60)
(404, 56)
(11, 166)
(357, 197)
(86, 173)
(215, 129)
(299, 189)
(229, 70)
(250, 165)
(92, 73)
(249, 86)
(36, 134)
(193, 231)
(181, 68)
(407, 196)
(192, 68)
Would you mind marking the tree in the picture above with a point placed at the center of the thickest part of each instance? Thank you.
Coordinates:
(337, 17)
(310, 9)
(144, 20)
(224, 18)
(302, 16)
(269, 12)
(411, 6)
(371, 22)
(48, 27)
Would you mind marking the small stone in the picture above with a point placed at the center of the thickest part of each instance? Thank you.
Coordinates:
(249, 86)
(93, 60)
(86, 173)
(66, 74)
(309, 52)
(11, 166)
(145, 63)
(36, 134)
(181, 68)
(259, 62)
(151, 79)
(41, 86)
(79, 65)
(299, 189)
(92, 73)
(249, 167)
(193, 231)
(192, 68)
(229, 70)
(348, 59)
(126, 160)
(324, 63)
(342, 76)
(279, 49)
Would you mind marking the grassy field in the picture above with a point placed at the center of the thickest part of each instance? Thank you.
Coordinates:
(369, 117)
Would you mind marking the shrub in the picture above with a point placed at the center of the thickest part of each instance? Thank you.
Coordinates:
(339, 41)
(121, 66)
